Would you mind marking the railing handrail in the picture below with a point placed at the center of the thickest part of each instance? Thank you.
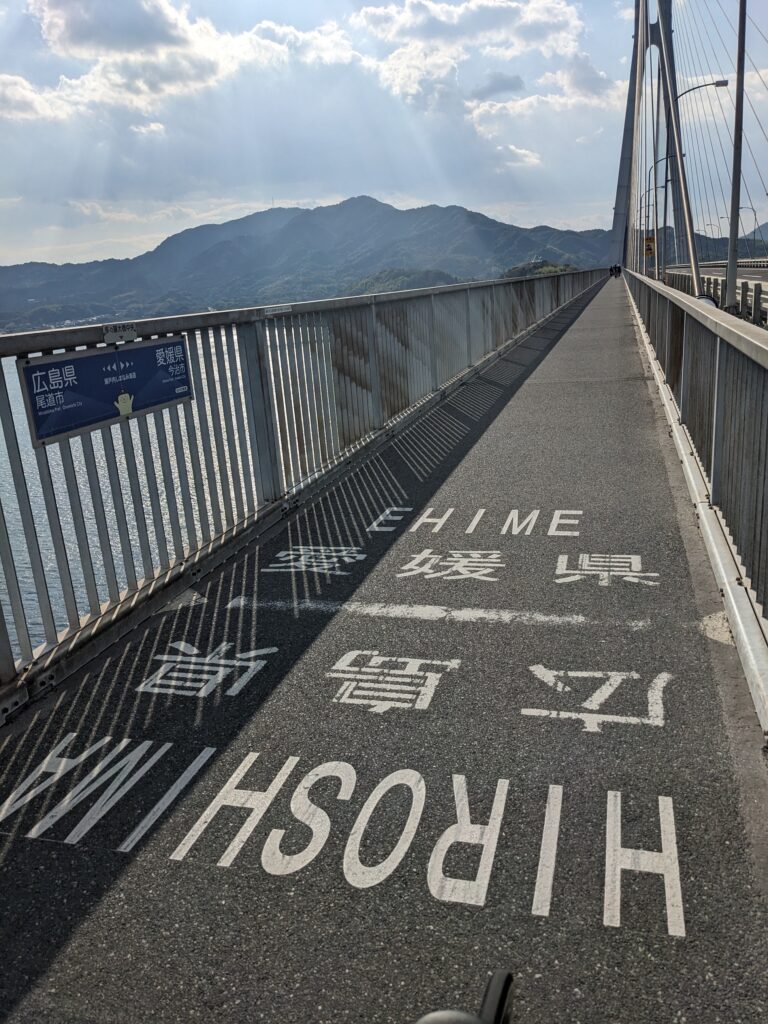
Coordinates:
(746, 337)
(746, 263)
(47, 339)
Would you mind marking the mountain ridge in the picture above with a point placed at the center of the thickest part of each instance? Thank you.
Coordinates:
(286, 254)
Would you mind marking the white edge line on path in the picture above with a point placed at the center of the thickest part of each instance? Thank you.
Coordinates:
(424, 612)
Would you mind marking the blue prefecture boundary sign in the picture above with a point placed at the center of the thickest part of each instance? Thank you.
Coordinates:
(69, 394)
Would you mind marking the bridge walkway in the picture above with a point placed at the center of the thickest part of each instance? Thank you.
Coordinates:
(476, 707)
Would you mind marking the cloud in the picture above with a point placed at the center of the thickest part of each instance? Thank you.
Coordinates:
(407, 68)
(578, 77)
(496, 84)
(583, 139)
(156, 128)
(577, 85)
(20, 101)
(625, 13)
(143, 52)
(91, 28)
(514, 156)
(431, 38)
(516, 26)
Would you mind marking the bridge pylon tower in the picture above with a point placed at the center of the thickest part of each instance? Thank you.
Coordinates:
(628, 234)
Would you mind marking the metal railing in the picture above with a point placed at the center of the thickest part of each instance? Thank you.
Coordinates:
(91, 524)
(752, 299)
(717, 370)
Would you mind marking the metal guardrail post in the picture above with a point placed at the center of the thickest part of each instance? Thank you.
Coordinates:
(373, 362)
(468, 307)
(7, 665)
(717, 424)
(757, 302)
(744, 304)
(683, 370)
(433, 344)
(254, 347)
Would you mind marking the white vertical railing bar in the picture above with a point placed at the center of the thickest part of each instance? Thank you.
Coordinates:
(213, 428)
(228, 444)
(102, 529)
(182, 467)
(158, 527)
(137, 499)
(14, 593)
(81, 535)
(169, 489)
(205, 429)
(118, 503)
(57, 538)
(25, 511)
(247, 473)
(201, 500)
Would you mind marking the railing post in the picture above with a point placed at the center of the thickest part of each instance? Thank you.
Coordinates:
(683, 369)
(373, 362)
(433, 343)
(253, 346)
(757, 301)
(717, 424)
(744, 304)
(468, 306)
(7, 664)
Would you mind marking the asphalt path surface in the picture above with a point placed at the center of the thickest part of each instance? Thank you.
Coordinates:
(348, 774)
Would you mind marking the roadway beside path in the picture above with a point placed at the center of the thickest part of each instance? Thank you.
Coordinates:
(476, 707)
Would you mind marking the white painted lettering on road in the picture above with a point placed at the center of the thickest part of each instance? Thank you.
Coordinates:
(388, 516)
(166, 800)
(476, 519)
(325, 561)
(619, 858)
(427, 519)
(363, 876)
(273, 860)
(609, 683)
(51, 769)
(118, 777)
(388, 682)
(230, 796)
(126, 773)
(472, 891)
(542, 896)
(188, 672)
(513, 522)
(606, 568)
(456, 565)
(564, 517)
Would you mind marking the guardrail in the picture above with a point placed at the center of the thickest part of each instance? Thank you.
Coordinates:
(752, 301)
(747, 263)
(91, 524)
(717, 370)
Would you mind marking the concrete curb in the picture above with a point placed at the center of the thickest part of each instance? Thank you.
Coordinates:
(747, 626)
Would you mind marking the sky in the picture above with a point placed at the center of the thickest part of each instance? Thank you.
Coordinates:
(124, 121)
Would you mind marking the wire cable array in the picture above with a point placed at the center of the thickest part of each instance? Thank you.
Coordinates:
(704, 45)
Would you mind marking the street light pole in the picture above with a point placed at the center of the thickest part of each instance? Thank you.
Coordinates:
(721, 83)
(738, 133)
